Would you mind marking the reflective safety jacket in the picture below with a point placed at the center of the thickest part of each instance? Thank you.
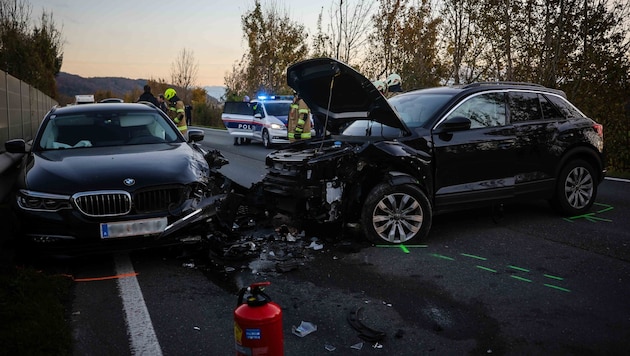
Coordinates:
(299, 125)
(177, 112)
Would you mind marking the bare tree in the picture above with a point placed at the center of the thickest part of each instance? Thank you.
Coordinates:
(348, 29)
(184, 72)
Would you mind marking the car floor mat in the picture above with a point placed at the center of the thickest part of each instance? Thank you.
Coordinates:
(365, 333)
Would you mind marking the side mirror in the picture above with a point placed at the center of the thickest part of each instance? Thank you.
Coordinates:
(195, 135)
(457, 123)
(15, 146)
(258, 115)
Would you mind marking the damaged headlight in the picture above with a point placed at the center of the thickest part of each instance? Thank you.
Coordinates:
(37, 201)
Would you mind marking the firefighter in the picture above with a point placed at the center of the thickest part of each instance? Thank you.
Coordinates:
(176, 109)
(299, 120)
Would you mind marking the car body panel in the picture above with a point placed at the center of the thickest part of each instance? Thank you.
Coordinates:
(351, 97)
(67, 194)
(250, 120)
(462, 147)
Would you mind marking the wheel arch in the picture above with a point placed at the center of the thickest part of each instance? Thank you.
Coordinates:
(587, 154)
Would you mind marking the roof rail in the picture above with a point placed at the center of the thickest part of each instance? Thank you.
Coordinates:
(478, 84)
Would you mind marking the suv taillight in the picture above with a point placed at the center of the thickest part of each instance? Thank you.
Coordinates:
(599, 128)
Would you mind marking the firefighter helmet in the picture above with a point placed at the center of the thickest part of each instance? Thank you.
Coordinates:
(169, 93)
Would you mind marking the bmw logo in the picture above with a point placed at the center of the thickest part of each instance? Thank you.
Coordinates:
(129, 182)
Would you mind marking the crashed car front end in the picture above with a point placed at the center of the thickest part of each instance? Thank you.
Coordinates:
(327, 181)
(104, 220)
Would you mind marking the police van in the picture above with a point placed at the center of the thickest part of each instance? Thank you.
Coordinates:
(264, 120)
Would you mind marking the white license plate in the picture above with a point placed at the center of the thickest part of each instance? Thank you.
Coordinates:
(133, 228)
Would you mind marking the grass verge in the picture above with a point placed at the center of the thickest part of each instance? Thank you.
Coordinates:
(33, 315)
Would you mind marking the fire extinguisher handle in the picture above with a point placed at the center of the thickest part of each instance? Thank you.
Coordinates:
(241, 294)
(259, 284)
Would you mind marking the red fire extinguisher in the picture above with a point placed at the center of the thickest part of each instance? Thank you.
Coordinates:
(258, 323)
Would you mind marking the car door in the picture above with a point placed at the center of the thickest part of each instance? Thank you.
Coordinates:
(238, 118)
(259, 118)
(474, 158)
(536, 123)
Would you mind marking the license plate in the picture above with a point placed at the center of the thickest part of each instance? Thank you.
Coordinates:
(133, 228)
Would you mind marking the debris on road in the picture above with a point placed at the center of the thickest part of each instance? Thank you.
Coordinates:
(304, 328)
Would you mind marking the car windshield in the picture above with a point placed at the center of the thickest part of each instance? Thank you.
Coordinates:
(416, 110)
(278, 109)
(105, 129)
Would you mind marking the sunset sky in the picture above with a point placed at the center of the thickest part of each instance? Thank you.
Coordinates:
(140, 39)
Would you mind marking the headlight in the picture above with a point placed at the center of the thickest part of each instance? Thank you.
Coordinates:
(277, 126)
(36, 201)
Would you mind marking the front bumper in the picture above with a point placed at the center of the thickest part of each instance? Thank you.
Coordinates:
(69, 233)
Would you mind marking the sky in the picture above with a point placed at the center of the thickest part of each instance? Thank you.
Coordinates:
(141, 39)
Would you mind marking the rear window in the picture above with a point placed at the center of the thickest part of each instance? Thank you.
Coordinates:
(238, 108)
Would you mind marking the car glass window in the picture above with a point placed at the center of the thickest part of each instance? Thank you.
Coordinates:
(484, 110)
(257, 108)
(371, 128)
(417, 110)
(566, 108)
(105, 129)
(278, 109)
(524, 107)
(549, 111)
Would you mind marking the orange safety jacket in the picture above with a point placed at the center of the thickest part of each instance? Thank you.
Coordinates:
(177, 112)
(299, 121)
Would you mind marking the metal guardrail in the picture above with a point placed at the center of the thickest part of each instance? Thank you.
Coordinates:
(22, 107)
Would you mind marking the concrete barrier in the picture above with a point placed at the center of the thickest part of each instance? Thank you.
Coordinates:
(22, 108)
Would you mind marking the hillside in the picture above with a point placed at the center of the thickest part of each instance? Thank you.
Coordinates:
(69, 85)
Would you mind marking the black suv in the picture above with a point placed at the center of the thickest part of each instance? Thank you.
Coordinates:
(394, 163)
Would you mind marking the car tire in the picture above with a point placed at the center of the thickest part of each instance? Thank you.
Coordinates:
(576, 188)
(266, 140)
(236, 141)
(396, 214)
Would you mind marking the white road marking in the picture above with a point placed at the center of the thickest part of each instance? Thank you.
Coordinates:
(142, 337)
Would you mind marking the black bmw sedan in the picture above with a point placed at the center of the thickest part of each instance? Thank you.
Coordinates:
(118, 176)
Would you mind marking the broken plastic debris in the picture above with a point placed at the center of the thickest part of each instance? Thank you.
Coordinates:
(330, 347)
(197, 328)
(377, 346)
(315, 246)
(358, 346)
(290, 237)
(304, 329)
(188, 265)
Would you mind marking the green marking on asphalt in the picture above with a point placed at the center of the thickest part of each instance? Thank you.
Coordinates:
(521, 279)
(518, 268)
(442, 257)
(607, 208)
(487, 269)
(590, 217)
(473, 256)
(404, 248)
(556, 287)
(554, 277)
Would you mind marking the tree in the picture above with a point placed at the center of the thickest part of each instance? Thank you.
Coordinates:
(32, 53)
(274, 42)
(463, 42)
(347, 36)
(405, 42)
(184, 72)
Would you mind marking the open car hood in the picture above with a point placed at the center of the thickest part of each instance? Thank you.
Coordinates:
(332, 89)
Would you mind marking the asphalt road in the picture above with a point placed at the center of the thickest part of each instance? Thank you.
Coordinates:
(524, 281)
